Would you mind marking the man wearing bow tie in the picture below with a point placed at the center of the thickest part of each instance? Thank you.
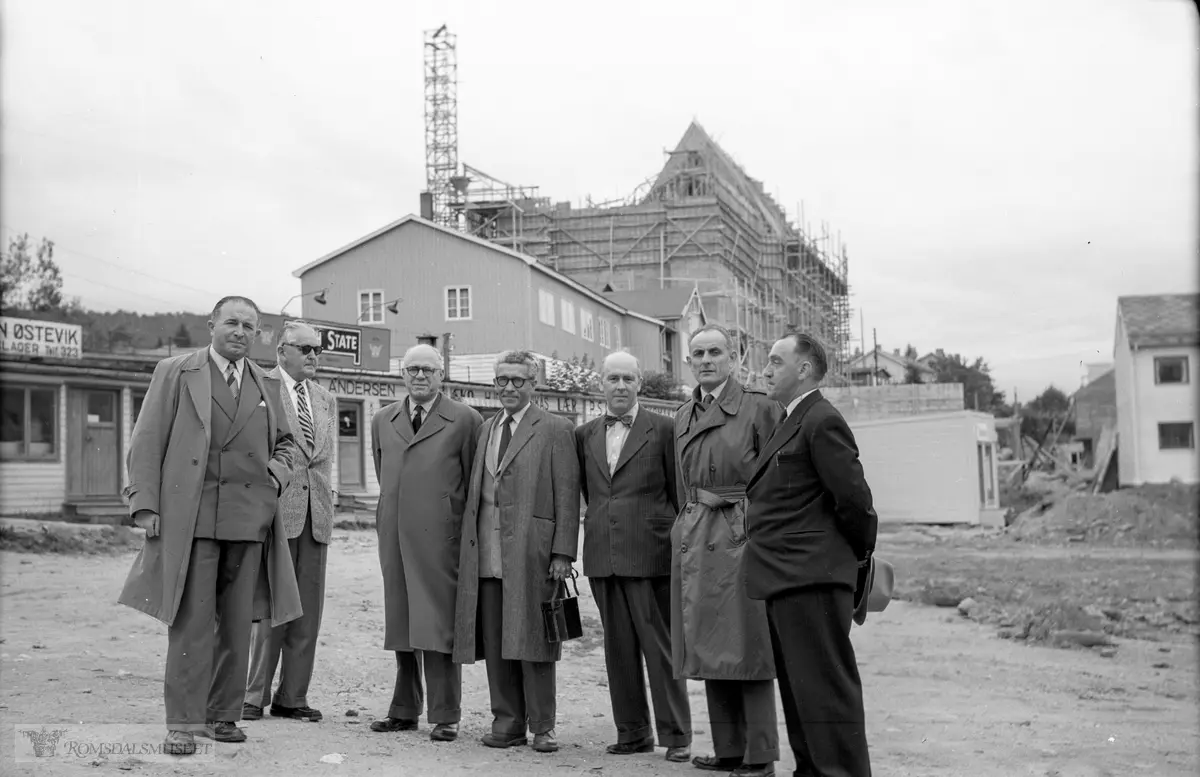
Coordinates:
(424, 447)
(211, 451)
(520, 535)
(306, 507)
(627, 476)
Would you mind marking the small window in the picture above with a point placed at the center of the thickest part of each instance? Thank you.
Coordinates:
(370, 306)
(30, 424)
(568, 316)
(604, 332)
(586, 329)
(1176, 436)
(458, 303)
(1171, 369)
(545, 307)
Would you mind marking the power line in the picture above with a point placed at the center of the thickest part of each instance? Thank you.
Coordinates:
(76, 276)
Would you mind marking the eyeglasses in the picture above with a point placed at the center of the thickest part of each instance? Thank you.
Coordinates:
(307, 349)
(415, 371)
(503, 381)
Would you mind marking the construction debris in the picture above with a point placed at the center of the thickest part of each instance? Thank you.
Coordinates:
(1154, 516)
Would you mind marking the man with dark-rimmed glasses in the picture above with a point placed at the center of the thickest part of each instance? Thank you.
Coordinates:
(423, 448)
(520, 535)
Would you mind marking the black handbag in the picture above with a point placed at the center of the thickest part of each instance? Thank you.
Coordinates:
(561, 613)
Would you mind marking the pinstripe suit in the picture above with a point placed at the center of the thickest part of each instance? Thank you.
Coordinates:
(627, 559)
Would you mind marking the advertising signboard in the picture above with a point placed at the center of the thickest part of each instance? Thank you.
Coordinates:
(344, 345)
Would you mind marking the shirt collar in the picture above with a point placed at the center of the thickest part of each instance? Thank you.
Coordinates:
(223, 363)
(792, 405)
(716, 393)
(517, 416)
(426, 406)
(288, 380)
(633, 411)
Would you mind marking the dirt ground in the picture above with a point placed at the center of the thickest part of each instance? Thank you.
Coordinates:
(944, 694)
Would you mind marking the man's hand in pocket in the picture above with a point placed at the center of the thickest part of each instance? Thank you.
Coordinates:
(148, 520)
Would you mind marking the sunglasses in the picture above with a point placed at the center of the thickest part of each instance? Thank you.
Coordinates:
(307, 349)
(502, 381)
(415, 371)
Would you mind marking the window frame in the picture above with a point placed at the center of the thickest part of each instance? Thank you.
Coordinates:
(604, 335)
(1158, 360)
(546, 307)
(567, 311)
(587, 327)
(373, 308)
(458, 306)
(1191, 436)
(27, 421)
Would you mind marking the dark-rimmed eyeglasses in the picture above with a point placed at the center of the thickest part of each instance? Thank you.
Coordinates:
(307, 349)
(415, 371)
(502, 381)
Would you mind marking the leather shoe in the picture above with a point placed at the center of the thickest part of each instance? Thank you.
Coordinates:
(223, 731)
(499, 740)
(679, 754)
(629, 748)
(251, 712)
(754, 770)
(713, 764)
(394, 724)
(296, 713)
(444, 732)
(545, 743)
(179, 743)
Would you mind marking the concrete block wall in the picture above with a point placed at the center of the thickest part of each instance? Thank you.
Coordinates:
(868, 403)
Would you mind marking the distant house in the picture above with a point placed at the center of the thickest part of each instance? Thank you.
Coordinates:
(878, 367)
(1095, 409)
(681, 309)
(1156, 352)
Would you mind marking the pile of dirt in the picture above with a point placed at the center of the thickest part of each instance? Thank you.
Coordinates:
(1153, 516)
(34, 536)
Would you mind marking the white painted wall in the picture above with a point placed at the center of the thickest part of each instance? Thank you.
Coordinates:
(1158, 403)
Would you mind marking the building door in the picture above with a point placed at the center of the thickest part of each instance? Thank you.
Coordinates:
(93, 452)
(350, 446)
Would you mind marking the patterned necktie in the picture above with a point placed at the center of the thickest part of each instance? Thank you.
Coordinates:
(306, 424)
(609, 420)
(231, 380)
(505, 439)
(416, 421)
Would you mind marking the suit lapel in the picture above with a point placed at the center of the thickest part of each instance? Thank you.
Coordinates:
(293, 414)
(598, 440)
(248, 399)
(638, 435)
(222, 395)
(433, 423)
(322, 416)
(522, 436)
(784, 433)
(485, 442)
(402, 421)
(716, 414)
(199, 386)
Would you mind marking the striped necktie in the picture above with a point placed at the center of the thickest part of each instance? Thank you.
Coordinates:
(306, 424)
(231, 380)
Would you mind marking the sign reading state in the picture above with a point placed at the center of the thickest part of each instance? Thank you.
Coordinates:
(47, 339)
(343, 345)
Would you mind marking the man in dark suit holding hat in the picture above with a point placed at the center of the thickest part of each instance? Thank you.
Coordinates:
(812, 528)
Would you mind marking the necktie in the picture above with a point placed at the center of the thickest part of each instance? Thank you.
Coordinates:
(707, 400)
(416, 421)
(231, 380)
(704, 404)
(505, 439)
(306, 424)
(609, 420)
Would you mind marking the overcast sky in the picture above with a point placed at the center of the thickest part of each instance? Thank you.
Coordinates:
(999, 172)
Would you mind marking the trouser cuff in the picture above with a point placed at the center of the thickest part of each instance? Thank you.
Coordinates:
(541, 726)
(627, 736)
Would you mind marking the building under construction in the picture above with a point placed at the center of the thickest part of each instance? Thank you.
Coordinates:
(702, 221)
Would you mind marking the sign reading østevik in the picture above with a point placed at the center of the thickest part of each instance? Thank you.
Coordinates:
(47, 339)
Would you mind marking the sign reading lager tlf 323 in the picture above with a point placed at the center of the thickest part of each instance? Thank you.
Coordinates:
(343, 345)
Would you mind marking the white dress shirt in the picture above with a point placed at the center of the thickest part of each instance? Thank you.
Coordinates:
(290, 383)
(426, 408)
(498, 432)
(792, 405)
(223, 365)
(615, 436)
(715, 393)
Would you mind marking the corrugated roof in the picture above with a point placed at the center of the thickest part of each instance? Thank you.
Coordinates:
(1157, 320)
(659, 303)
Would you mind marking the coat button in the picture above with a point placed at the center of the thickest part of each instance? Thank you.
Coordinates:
(223, 482)
(247, 485)
(306, 488)
(683, 548)
(250, 455)
(195, 461)
(472, 543)
(712, 546)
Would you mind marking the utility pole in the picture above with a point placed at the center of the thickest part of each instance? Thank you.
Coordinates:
(875, 342)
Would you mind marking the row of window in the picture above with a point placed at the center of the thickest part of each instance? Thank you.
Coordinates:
(372, 307)
(610, 334)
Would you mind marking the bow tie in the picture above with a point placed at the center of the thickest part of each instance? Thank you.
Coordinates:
(609, 420)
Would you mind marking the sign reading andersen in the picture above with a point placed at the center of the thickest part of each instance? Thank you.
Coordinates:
(40, 338)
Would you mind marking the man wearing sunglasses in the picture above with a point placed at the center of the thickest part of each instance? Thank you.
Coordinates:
(520, 535)
(306, 507)
(423, 448)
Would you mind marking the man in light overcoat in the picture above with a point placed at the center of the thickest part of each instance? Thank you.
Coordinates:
(520, 535)
(424, 446)
(307, 511)
(210, 454)
(718, 634)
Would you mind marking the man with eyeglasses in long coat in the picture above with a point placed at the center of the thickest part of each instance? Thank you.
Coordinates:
(423, 446)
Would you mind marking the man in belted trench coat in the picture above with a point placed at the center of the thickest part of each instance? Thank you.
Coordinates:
(210, 454)
(718, 634)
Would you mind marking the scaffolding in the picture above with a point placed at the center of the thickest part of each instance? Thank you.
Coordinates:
(701, 218)
(441, 122)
